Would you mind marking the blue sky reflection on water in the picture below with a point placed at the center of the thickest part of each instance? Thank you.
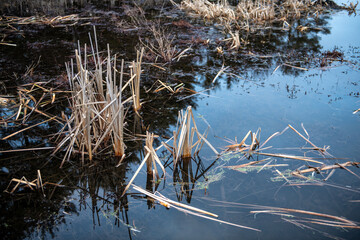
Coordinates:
(318, 98)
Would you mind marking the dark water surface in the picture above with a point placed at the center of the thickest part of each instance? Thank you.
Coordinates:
(257, 91)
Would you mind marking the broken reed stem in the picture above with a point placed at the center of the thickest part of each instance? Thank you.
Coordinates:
(307, 140)
(37, 183)
(288, 156)
(299, 173)
(318, 169)
(22, 130)
(187, 209)
(150, 158)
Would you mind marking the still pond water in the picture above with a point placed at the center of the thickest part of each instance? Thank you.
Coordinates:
(254, 92)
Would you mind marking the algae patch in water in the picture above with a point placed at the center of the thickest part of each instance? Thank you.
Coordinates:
(213, 176)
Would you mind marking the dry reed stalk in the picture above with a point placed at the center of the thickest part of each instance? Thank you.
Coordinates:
(187, 209)
(340, 220)
(22, 130)
(135, 72)
(36, 183)
(331, 219)
(26, 149)
(307, 159)
(221, 71)
(246, 164)
(114, 99)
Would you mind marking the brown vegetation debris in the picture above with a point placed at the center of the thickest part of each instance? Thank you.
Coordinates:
(330, 56)
(182, 24)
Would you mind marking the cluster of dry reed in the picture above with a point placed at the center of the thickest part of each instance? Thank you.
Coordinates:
(186, 138)
(249, 13)
(98, 111)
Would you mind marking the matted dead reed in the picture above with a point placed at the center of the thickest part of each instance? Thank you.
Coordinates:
(257, 148)
(98, 116)
(312, 164)
(59, 21)
(248, 14)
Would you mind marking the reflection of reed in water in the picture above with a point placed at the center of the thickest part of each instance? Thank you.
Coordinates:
(25, 7)
(104, 184)
(185, 178)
